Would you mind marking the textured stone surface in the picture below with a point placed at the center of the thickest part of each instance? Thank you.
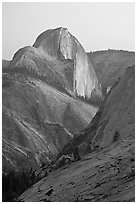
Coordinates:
(115, 119)
(5, 63)
(107, 174)
(99, 177)
(118, 114)
(38, 121)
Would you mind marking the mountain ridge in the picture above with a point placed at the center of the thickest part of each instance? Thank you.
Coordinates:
(53, 46)
(110, 65)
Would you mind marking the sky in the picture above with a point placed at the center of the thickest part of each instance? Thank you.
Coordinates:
(97, 26)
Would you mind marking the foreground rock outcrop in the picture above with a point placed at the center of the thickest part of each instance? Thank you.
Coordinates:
(99, 177)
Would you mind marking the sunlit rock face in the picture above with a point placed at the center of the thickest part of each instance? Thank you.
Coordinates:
(59, 44)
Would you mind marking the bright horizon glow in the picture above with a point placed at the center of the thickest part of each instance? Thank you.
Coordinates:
(97, 26)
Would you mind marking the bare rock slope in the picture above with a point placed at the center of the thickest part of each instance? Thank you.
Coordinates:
(38, 120)
(115, 119)
(107, 173)
(98, 177)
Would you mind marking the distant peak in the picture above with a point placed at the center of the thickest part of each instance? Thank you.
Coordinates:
(48, 32)
(62, 28)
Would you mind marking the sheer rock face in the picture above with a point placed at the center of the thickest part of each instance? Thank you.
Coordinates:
(59, 56)
(60, 44)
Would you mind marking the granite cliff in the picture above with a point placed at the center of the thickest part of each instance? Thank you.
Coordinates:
(41, 111)
(58, 56)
